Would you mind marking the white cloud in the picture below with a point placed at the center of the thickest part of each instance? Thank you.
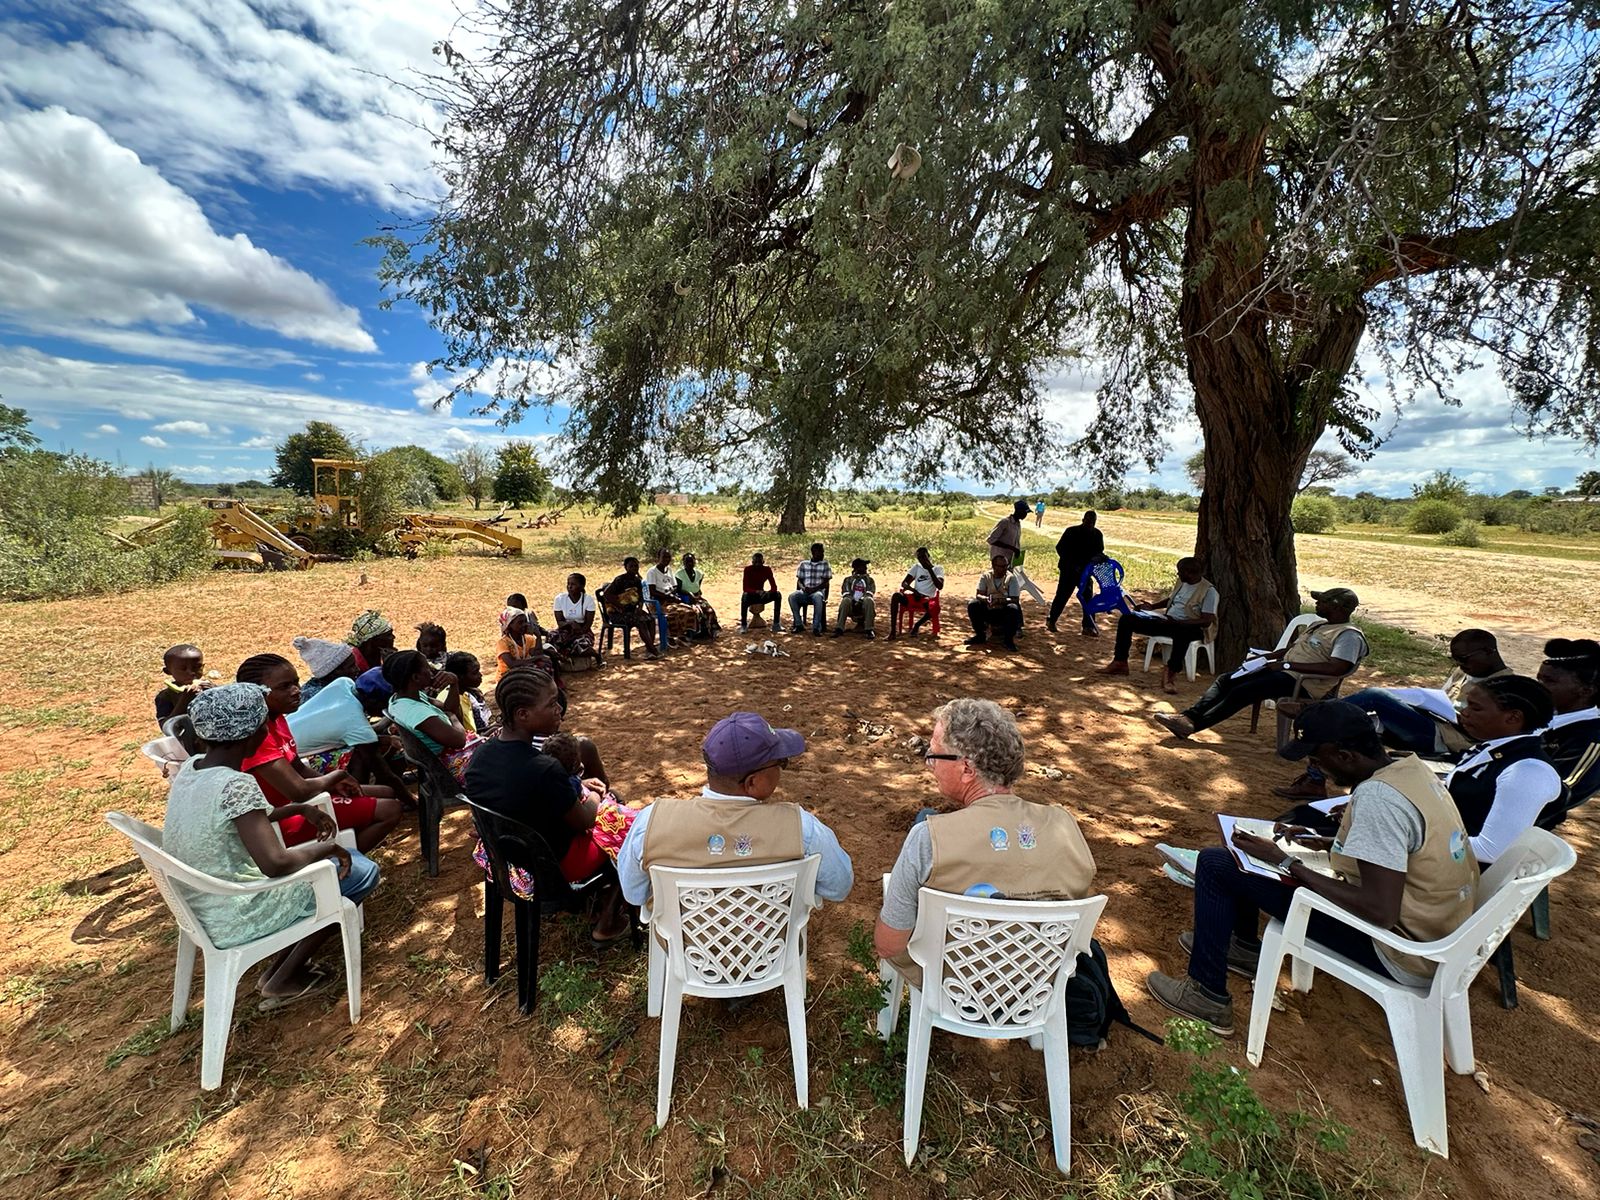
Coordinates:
(92, 237)
(197, 428)
(312, 377)
(150, 439)
(263, 442)
(105, 429)
(289, 94)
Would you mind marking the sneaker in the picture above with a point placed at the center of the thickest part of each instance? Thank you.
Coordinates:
(797, 629)
(872, 635)
(1177, 876)
(1009, 643)
(1179, 858)
(838, 633)
(1242, 959)
(1187, 998)
(1114, 667)
(1178, 725)
(1051, 626)
(977, 641)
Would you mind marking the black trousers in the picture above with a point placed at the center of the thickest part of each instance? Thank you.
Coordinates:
(758, 601)
(1227, 695)
(1128, 626)
(1004, 621)
(1071, 573)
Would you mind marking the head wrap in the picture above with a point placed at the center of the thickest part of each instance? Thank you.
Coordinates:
(367, 626)
(229, 713)
(373, 683)
(508, 615)
(320, 655)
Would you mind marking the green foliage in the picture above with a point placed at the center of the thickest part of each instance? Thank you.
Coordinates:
(520, 478)
(660, 533)
(389, 486)
(1442, 485)
(1433, 516)
(1464, 534)
(293, 455)
(576, 547)
(1587, 484)
(444, 478)
(868, 1064)
(14, 431)
(476, 466)
(1314, 514)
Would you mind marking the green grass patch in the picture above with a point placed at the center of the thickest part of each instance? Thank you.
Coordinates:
(63, 717)
(1403, 654)
(144, 1043)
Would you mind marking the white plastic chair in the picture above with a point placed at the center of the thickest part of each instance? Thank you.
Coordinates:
(167, 753)
(1000, 969)
(345, 837)
(724, 932)
(1191, 658)
(225, 967)
(1428, 1025)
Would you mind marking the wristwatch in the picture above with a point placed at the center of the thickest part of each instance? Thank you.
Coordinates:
(1287, 865)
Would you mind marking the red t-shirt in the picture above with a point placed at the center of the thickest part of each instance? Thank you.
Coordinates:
(279, 743)
(754, 577)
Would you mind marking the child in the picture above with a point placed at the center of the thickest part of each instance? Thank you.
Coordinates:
(468, 671)
(612, 818)
(185, 668)
(518, 600)
(430, 643)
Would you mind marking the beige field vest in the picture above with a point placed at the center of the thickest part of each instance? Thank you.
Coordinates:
(1025, 851)
(709, 832)
(1194, 605)
(1315, 645)
(1449, 734)
(1441, 886)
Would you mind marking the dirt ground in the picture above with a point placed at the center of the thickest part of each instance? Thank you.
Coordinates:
(95, 1102)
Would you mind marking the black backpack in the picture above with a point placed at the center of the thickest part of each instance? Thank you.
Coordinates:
(1093, 1004)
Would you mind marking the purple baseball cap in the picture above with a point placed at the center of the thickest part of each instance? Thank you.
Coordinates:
(742, 743)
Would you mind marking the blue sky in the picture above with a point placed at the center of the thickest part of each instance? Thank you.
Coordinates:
(184, 188)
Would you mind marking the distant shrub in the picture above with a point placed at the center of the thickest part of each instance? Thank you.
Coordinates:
(82, 561)
(1464, 534)
(929, 512)
(576, 548)
(1314, 514)
(661, 532)
(1433, 516)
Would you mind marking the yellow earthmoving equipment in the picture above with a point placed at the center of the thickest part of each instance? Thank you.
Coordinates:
(239, 537)
(415, 529)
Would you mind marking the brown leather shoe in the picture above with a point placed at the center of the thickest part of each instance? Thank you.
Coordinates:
(1169, 683)
(1303, 788)
(1114, 667)
(1293, 708)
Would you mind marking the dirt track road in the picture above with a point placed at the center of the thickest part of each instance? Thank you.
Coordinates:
(1429, 589)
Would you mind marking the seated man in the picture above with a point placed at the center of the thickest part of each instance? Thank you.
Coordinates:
(728, 824)
(760, 588)
(661, 596)
(923, 581)
(1422, 721)
(857, 599)
(1401, 859)
(976, 755)
(812, 581)
(1316, 658)
(998, 606)
(1188, 614)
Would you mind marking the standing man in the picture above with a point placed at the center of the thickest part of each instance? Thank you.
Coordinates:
(730, 824)
(1038, 514)
(1022, 850)
(1190, 611)
(1005, 539)
(812, 580)
(1079, 545)
(760, 588)
(924, 580)
(998, 606)
(856, 599)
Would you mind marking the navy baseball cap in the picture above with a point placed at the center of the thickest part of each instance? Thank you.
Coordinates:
(1330, 722)
(743, 743)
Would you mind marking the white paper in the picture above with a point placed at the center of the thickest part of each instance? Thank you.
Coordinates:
(1145, 612)
(1316, 860)
(1249, 667)
(1430, 699)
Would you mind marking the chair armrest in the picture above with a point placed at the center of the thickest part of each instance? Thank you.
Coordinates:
(1306, 901)
(321, 872)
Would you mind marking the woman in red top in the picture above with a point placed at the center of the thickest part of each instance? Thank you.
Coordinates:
(372, 811)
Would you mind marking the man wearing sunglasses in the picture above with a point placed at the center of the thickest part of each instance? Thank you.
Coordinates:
(994, 844)
(731, 823)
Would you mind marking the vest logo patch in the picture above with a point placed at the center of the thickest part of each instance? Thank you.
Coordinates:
(998, 839)
(741, 845)
(716, 843)
(1458, 845)
(984, 891)
(1026, 838)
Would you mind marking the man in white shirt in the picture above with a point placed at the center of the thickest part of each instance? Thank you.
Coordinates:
(1190, 614)
(923, 581)
(998, 606)
(661, 587)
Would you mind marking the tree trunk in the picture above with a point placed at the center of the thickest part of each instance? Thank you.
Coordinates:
(795, 501)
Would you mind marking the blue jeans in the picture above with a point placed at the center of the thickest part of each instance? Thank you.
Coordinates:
(1404, 727)
(361, 881)
(798, 600)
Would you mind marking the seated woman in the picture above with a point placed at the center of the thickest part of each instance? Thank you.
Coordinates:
(574, 632)
(1571, 670)
(436, 723)
(624, 599)
(1505, 783)
(218, 821)
(475, 714)
(326, 661)
(689, 580)
(371, 810)
(334, 732)
(509, 775)
(661, 588)
(372, 635)
(517, 647)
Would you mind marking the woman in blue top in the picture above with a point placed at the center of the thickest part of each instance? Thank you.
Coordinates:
(436, 723)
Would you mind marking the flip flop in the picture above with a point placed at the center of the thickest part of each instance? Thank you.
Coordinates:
(274, 1003)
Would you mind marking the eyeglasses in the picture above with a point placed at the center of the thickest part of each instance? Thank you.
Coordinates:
(927, 758)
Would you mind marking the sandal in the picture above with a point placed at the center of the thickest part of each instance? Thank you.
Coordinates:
(274, 1003)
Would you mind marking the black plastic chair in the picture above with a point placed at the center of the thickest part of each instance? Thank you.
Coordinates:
(436, 790)
(509, 842)
(608, 628)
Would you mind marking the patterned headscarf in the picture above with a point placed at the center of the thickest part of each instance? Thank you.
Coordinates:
(508, 615)
(229, 713)
(367, 626)
(320, 655)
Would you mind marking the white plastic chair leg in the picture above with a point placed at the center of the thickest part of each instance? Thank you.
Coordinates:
(222, 981)
(1268, 967)
(1149, 653)
(182, 979)
(916, 1074)
(350, 930)
(656, 974)
(794, 1000)
(671, 1012)
(1058, 1075)
(1419, 1050)
(1301, 974)
(1458, 1034)
(1191, 659)
(893, 990)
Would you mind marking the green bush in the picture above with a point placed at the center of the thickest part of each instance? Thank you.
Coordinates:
(80, 560)
(1433, 516)
(1314, 514)
(576, 547)
(1464, 534)
(660, 532)
(929, 512)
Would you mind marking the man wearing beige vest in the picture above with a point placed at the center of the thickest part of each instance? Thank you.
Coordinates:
(731, 824)
(995, 844)
(1402, 857)
(1317, 657)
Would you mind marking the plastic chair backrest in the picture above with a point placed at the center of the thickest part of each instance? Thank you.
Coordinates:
(729, 927)
(1294, 627)
(419, 756)
(509, 842)
(167, 872)
(1107, 576)
(999, 963)
(182, 728)
(167, 753)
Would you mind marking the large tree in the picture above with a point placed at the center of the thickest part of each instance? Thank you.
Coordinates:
(319, 439)
(476, 463)
(828, 231)
(519, 478)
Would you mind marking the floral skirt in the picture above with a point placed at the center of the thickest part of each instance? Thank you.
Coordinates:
(611, 824)
(325, 762)
(457, 761)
